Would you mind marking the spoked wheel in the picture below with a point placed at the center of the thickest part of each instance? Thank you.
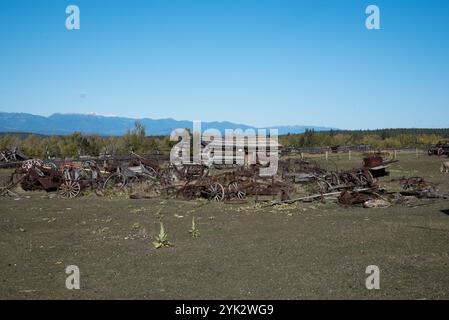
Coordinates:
(335, 179)
(132, 180)
(28, 164)
(215, 192)
(69, 189)
(324, 186)
(152, 173)
(367, 179)
(235, 190)
(116, 181)
(363, 180)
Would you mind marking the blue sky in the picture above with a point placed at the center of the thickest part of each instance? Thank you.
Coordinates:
(258, 62)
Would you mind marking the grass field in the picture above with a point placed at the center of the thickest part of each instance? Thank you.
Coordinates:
(304, 250)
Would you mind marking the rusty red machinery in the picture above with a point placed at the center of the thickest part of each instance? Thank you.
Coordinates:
(70, 178)
(68, 181)
(440, 149)
(193, 181)
(377, 166)
(374, 167)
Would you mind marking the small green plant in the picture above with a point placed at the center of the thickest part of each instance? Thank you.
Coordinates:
(161, 239)
(194, 231)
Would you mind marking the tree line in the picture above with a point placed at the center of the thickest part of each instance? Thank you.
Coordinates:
(76, 144)
(376, 139)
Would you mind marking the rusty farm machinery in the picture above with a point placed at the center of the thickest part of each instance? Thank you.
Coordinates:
(71, 178)
(189, 181)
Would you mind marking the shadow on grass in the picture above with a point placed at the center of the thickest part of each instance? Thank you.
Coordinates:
(446, 212)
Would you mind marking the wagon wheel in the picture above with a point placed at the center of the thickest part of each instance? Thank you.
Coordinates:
(132, 180)
(324, 186)
(364, 180)
(69, 189)
(28, 164)
(152, 173)
(430, 152)
(235, 189)
(215, 191)
(148, 173)
(115, 181)
(369, 178)
(335, 179)
(440, 151)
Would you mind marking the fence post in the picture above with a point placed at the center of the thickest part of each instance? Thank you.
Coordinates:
(327, 155)
(349, 155)
(395, 154)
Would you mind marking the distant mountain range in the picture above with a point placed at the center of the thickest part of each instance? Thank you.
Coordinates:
(63, 124)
